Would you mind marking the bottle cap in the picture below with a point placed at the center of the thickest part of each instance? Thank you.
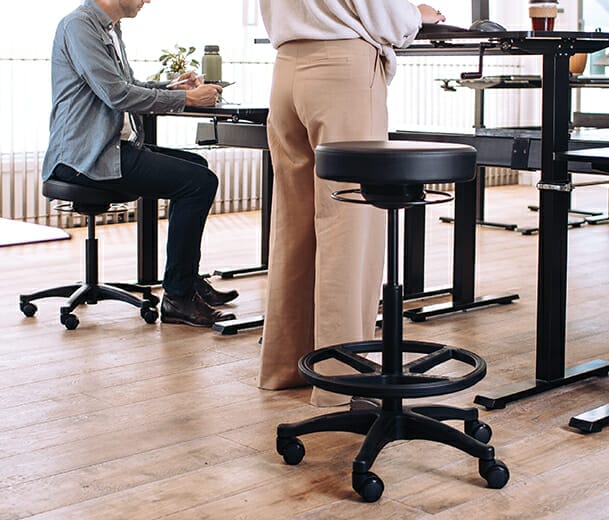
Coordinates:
(211, 48)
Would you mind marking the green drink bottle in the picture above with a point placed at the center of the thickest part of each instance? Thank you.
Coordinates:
(212, 63)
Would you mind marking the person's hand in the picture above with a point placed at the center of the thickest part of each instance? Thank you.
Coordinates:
(430, 15)
(204, 95)
(186, 81)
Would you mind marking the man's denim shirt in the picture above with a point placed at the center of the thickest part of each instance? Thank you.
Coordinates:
(91, 92)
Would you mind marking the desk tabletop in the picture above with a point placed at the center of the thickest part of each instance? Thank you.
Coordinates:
(234, 113)
(583, 134)
(506, 35)
(467, 43)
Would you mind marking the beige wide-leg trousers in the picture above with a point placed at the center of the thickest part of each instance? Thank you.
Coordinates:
(326, 257)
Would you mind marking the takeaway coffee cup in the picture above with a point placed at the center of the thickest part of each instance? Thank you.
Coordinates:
(543, 14)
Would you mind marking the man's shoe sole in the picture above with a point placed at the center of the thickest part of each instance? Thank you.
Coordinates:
(181, 321)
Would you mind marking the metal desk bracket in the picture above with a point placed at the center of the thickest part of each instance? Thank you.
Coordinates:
(520, 153)
(559, 186)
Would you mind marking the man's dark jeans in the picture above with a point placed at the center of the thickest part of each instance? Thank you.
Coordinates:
(162, 173)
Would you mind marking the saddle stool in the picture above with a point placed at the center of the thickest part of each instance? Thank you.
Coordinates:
(89, 202)
(391, 176)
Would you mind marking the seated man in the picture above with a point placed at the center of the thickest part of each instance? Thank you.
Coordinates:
(96, 139)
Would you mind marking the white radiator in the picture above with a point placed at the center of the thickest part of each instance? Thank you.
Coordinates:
(239, 174)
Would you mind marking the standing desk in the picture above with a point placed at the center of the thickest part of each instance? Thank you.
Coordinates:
(555, 48)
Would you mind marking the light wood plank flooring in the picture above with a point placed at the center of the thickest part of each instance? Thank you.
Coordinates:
(123, 420)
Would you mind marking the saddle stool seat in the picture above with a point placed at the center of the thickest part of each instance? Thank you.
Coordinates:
(90, 202)
(392, 175)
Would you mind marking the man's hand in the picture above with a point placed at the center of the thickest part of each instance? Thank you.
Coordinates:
(430, 15)
(204, 95)
(186, 81)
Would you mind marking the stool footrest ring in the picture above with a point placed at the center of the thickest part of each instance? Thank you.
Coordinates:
(440, 197)
(364, 377)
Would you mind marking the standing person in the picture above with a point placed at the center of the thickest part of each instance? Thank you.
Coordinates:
(96, 139)
(334, 62)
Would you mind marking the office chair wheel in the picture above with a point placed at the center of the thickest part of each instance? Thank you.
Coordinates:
(292, 449)
(368, 485)
(29, 309)
(478, 430)
(149, 314)
(69, 321)
(495, 472)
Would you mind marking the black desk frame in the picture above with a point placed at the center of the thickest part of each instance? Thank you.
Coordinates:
(242, 135)
(554, 194)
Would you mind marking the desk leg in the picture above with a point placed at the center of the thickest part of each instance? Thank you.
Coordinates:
(414, 257)
(480, 219)
(554, 198)
(464, 262)
(147, 242)
(231, 327)
(265, 215)
(147, 224)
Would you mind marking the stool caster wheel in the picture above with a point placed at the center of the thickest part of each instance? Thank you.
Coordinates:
(29, 309)
(478, 430)
(495, 472)
(368, 485)
(292, 449)
(149, 314)
(69, 321)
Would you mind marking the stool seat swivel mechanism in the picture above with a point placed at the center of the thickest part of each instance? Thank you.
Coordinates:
(391, 176)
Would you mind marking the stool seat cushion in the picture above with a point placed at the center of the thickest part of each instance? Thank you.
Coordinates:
(395, 162)
(60, 190)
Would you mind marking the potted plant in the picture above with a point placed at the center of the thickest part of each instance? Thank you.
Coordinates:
(175, 62)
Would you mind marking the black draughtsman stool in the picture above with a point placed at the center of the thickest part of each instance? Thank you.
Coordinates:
(391, 175)
(90, 202)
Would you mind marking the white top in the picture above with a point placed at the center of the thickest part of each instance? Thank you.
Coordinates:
(382, 23)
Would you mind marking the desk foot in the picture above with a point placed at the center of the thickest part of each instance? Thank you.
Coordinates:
(599, 219)
(507, 227)
(514, 392)
(261, 269)
(570, 224)
(231, 327)
(152, 283)
(591, 421)
(582, 212)
(422, 313)
(428, 293)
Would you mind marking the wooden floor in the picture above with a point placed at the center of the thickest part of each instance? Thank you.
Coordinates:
(123, 420)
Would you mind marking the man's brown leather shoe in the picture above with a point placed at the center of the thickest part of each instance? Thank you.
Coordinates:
(212, 296)
(191, 310)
